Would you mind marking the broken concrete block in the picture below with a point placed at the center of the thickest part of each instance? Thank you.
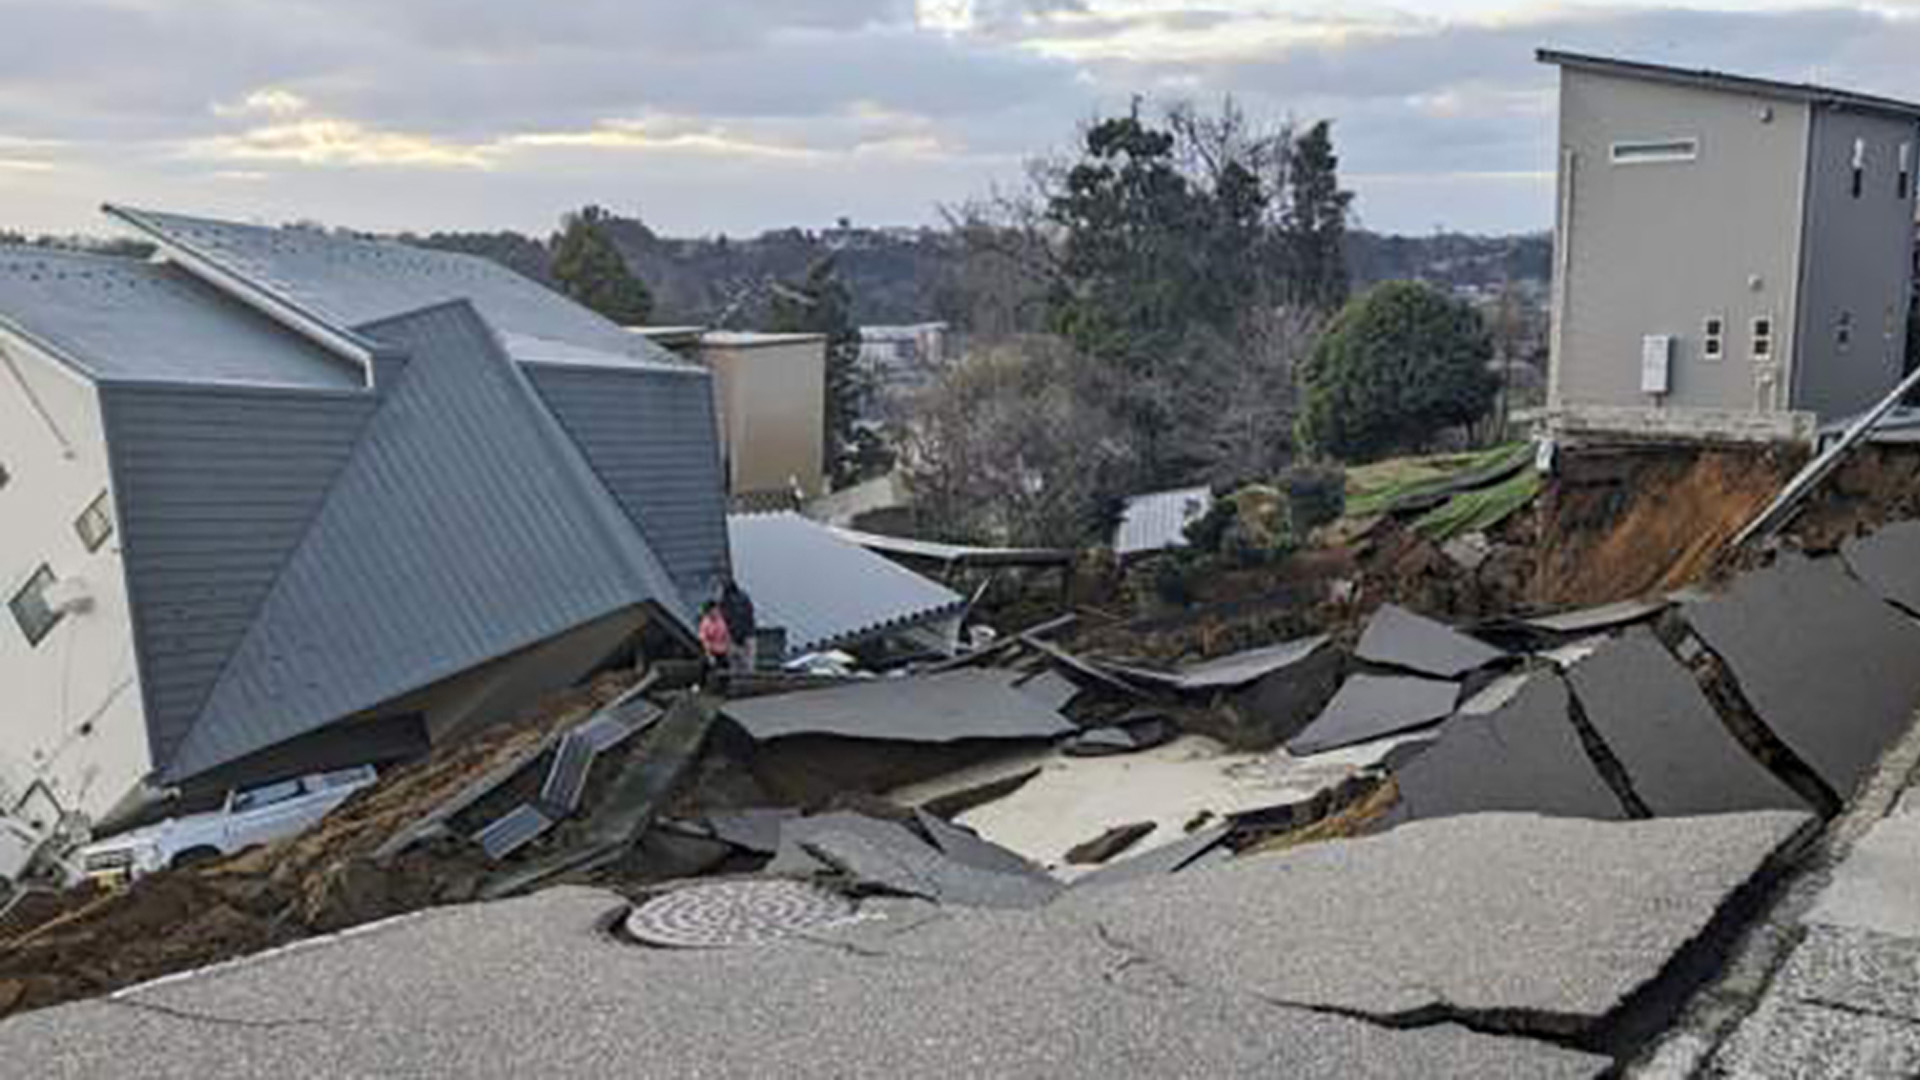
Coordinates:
(1227, 672)
(1166, 859)
(964, 846)
(1554, 925)
(1889, 563)
(1370, 707)
(1124, 737)
(1396, 637)
(1828, 667)
(1525, 756)
(912, 868)
(756, 829)
(1109, 843)
(1277, 706)
(965, 704)
(1677, 753)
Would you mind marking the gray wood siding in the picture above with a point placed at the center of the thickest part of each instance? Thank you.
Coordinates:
(1858, 261)
(652, 440)
(215, 487)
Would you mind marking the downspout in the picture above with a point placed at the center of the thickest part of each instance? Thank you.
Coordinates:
(1562, 265)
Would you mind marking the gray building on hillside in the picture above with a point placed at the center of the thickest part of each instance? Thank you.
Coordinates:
(1730, 253)
(281, 500)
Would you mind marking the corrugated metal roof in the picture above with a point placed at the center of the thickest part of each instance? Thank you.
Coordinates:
(650, 437)
(350, 280)
(824, 590)
(972, 703)
(119, 319)
(1159, 521)
(465, 527)
(214, 487)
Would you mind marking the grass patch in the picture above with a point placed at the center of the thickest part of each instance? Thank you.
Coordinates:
(1372, 489)
(1476, 511)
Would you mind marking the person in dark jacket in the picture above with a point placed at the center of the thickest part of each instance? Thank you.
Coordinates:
(737, 607)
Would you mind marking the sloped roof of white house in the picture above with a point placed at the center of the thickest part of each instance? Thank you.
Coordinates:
(823, 590)
(117, 319)
(1707, 79)
(347, 280)
(465, 526)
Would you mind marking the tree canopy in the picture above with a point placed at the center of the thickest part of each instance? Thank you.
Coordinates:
(1399, 364)
(590, 269)
(820, 303)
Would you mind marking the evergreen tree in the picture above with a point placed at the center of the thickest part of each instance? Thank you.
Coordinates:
(590, 269)
(1314, 223)
(1398, 365)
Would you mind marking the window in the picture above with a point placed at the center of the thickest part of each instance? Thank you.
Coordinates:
(1762, 338)
(31, 612)
(4, 477)
(1713, 340)
(1843, 331)
(1859, 165)
(265, 796)
(95, 524)
(1648, 151)
(1903, 188)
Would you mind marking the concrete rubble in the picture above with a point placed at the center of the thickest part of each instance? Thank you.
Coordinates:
(1387, 846)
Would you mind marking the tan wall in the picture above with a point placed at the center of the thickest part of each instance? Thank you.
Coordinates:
(70, 706)
(1656, 248)
(770, 400)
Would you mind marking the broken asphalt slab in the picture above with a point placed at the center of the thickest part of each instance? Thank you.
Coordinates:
(963, 704)
(536, 987)
(1889, 563)
(1828, 667)
(1877, 886)
(1369, 707)
(1676, 752)
(1166, 859)
(955, 869)
(1227, 672)
(1526, 756)
(1396, 637)
(1558, 927)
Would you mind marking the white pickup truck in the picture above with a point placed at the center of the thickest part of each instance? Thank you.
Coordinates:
(251, 816)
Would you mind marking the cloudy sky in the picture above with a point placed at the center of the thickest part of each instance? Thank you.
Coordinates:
(736, 115)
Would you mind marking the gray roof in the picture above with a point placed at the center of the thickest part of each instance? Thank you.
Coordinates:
(648, 432)
(824, 590)
(1706, 79)
(1159, 521)
(125, 320)
(465, 526)
(971, 703)
(348, 280)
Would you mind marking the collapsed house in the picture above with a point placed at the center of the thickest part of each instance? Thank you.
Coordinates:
(283, 499)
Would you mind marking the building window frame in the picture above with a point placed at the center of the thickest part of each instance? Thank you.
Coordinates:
(1762, 337)
(1903, 187)
(1654, 151)
(1859, 166)
(94, 526)
(1843, 331)
(29, 608)
(1713, 338)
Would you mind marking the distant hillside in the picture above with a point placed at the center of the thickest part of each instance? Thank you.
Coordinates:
(896, 275)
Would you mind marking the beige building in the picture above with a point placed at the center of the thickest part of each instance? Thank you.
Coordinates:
(1727, 247)
(770, 393)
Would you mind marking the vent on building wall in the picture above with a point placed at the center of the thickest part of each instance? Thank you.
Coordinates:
(1656, 363)
(1651, 151)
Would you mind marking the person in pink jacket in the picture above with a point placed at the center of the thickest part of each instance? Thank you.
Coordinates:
(716, 641)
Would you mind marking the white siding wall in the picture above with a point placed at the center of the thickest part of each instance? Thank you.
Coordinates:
(70, 707)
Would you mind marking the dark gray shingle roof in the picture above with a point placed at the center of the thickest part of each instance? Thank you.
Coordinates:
(1718, 80)
(125, 320)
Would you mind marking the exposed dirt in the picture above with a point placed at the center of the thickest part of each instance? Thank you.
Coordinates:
(95, 940)
(1877, 485)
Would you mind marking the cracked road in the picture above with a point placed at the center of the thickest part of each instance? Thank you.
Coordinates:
(1486, 946)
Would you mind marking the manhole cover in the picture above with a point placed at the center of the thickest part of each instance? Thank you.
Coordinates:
(737, 913)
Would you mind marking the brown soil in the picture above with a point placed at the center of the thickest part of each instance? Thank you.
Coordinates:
(92, 941)
(1632, 523)
(1877, 485)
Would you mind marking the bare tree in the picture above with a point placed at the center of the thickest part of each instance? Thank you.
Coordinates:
(1008, 447)
(1237, 411)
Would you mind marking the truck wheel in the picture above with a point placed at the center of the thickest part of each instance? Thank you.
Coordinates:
(194, 856)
